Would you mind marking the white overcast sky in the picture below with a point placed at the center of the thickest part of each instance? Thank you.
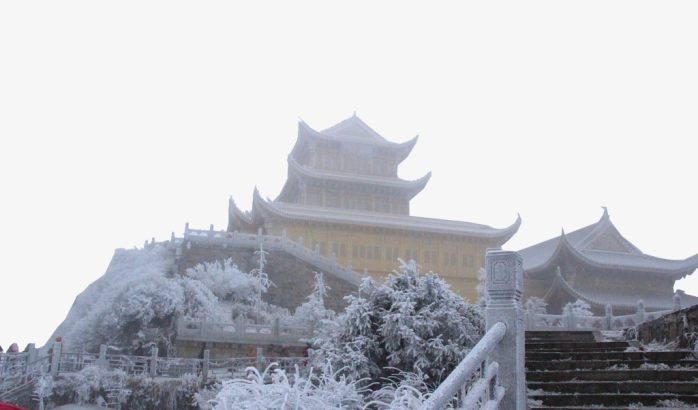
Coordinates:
(121, 121)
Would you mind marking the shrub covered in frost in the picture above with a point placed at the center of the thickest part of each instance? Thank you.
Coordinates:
(272, 390)
(97, 385)
(409, 323)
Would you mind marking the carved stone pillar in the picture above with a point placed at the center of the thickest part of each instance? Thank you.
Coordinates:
(505, 286)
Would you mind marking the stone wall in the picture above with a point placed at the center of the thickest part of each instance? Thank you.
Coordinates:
(221, 350)
(671, 327)
(293, 278)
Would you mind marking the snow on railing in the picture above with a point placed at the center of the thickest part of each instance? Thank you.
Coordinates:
(272, 243)
(241, 332)
(569, 321)
(19, 370)
(492, 375)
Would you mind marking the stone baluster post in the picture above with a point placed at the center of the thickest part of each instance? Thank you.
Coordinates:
(529, 320)
(640, 315)
(276, 330)
(202, 329)
(32, 353)
(609, 317)
(677, 302)
(55, 358)
(504, 283)
(260, 356)
(204, 367)
(316, 251)
(349, 268)
(31, 358)
(102, 355)
(153, 361)
(568, 311)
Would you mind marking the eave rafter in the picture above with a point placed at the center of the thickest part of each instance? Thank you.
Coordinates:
(267, 208)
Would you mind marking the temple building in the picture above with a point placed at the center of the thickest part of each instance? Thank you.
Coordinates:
(599, 266)
(344, 198)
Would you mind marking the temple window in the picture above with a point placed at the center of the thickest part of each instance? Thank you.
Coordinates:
(339, 250)
(468, 261)
(382, 205)
(332, 200)
(430, 257)
(331, 161)
(360, 203)
(313, 197)
(391, 254)
(449, 259)
(411, 254)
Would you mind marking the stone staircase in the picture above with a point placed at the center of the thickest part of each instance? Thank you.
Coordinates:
(572, 370)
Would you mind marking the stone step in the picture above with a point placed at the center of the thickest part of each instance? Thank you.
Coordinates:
(580, 356)
(620, 387)
(681, 406)
(608, 400)
(613, 375)
(574, 345)
(603, 364)
(544, 335)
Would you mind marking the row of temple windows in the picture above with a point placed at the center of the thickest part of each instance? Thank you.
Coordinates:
(335, 162)
(356, 202)
(359, 252)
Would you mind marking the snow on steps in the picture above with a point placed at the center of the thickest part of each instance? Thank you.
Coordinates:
(573, 370)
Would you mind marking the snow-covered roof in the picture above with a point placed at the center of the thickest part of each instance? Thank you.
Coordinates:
(296, 171)
(351, 130)
(263, 208)
(601, 245)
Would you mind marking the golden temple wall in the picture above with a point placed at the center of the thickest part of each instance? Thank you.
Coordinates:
(457, 260)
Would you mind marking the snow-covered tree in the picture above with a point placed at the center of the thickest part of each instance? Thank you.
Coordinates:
(581, 308)
(539, 306)
(137, 291)
(313, 311)
(481, 289)
(409, 323)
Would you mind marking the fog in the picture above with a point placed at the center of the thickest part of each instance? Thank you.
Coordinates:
(122, 121)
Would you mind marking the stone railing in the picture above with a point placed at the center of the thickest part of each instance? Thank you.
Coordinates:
(272, 243)
(680, 327)
(242, 333)
(569, 321)
(492, 375)
(17, 371)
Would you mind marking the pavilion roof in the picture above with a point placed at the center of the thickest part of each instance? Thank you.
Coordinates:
(351, 130)
(296, 170)
(262, 208)
(600, 297)
(601, 245)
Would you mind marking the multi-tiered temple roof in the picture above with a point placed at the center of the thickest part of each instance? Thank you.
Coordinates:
(598, 265)
(347, 174)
